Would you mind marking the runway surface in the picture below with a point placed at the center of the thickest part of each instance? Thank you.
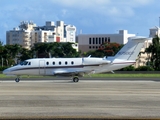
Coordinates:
(86, 99)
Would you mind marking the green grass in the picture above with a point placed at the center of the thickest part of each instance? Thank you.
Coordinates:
(126, 75)
(96, 75)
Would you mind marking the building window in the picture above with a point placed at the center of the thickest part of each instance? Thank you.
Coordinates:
(93, 41)
(89, 47)
(105, 39)
(99, 40)
(53, 63)
(102, 40)
(96, 40)
(89, 40)
(109, 39)
(93, 47)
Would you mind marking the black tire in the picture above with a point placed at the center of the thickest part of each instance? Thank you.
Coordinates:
(75, 79)
(17, 79)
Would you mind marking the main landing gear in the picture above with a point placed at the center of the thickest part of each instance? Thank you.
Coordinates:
(17, 79)
(75, 79)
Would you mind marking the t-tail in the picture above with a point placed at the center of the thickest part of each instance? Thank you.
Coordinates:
(131, 50)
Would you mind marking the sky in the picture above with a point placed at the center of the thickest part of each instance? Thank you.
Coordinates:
(89, 16)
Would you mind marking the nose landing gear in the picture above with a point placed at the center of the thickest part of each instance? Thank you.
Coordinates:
(17, 79)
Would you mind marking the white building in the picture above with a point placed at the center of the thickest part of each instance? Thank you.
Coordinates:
(154, 31)
(88, 42)
(28, 33)
(143, 57)
(70, 33)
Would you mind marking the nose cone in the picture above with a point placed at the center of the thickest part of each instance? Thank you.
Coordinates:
(6, 71)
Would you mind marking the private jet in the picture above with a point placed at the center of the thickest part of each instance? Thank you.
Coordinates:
(77, 67)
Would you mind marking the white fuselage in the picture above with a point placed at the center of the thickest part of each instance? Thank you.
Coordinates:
(65, 66)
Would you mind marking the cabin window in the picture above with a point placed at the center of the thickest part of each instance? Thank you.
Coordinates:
(47, 63)
(66, 63)
(72, 62)
(60, 63)
(53, 63)
(29, 63)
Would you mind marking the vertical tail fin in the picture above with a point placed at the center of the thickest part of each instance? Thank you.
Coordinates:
(131, 50)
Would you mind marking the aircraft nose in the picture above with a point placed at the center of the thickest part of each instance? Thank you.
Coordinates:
(6, 71)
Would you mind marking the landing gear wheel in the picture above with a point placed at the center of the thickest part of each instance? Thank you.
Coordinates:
(75, 79)
(17, 79)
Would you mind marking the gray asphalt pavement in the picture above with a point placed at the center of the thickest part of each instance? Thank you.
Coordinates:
(90, 99)
(84, 78)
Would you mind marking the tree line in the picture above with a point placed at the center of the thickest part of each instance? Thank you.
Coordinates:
(13, 54)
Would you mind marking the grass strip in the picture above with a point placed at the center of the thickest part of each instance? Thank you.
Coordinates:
(95, 75)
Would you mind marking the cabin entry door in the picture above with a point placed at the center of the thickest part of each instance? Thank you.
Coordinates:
(42, 67)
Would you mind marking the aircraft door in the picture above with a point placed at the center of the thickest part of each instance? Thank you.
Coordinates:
(42, 67)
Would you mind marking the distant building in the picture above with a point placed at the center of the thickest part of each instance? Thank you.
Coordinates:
(88, 42)
(143, 57)
(154, 31)
(21, 35)
(28, 33)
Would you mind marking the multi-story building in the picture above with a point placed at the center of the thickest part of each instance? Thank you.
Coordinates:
(88, 42)
(21, 35)
(143, 58)
(28, 33)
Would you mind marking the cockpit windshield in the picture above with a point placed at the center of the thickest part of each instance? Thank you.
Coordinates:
(25, 63)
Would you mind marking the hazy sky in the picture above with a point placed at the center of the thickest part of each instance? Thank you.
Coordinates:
(90, 16)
